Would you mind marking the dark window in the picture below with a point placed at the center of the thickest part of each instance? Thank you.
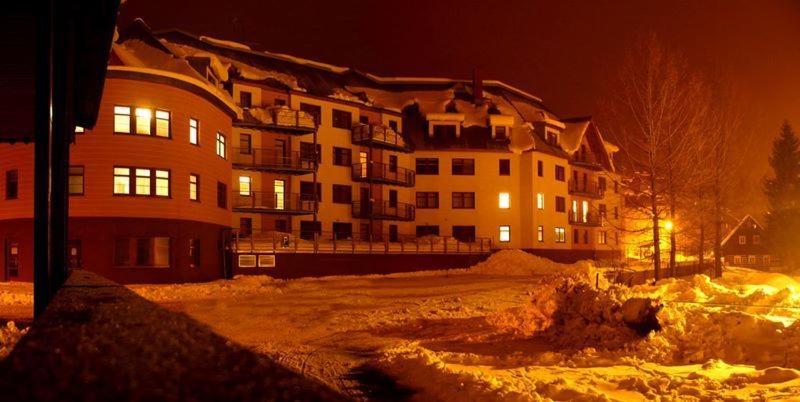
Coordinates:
(363, 119)
(427, 230)
(246, 226)
(463, 200)
(463, 166)
(222, 195)
(393, 163)
(561, 204)
(505, 167)
(245, 99)
(393, 125)
(309, 228)
(12, 258)
(427, 199)
(142, 252)
(245, 144)
(307, 190)
(76, 180)
(393, 198)
(122, 252)
(540, 168)
(313, 110)
(464, 233)
(576, 236)
(342, 119)
(446, 131)
(342, 230)
(585, 237)
(602, 210)
(500, 132)
(342, 194)
(307, 151)
(194, 253)
(601, 182)
(342, 156)
(560, 173)
(12, 184)
(279, 102)
(428, 166)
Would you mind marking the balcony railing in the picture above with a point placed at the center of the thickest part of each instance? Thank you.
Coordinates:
(383, 173)
(273, 203)
(586, 160)
(378, 135)
(589, 219)
(384, 210)
(586, 189)
(272, 160)
(279, 118)
(269, 242)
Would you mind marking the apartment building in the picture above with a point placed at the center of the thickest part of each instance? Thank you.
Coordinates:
(210, 158)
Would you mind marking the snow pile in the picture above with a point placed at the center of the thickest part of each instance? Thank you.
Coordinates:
(16, 294)
(520, 263)
(240, 286)
(9, 336)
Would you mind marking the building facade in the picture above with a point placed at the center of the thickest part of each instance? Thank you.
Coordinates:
(746, 246)
(209, 155)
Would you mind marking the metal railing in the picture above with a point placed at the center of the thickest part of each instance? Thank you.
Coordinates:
(589, 219)
(632, 277)
(283, 117)
(271, 202)
(243, 242)
(386, 210)
(587, 160)
(587, 189)
(383, 173)
(377, 134)
(272, 159)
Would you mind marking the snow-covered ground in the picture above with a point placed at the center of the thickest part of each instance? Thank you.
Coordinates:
(516, 328)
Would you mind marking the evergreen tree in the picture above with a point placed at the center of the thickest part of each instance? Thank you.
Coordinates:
(783, 192)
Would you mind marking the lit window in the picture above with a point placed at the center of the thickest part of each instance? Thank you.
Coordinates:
(505, 233)
(122, 119)
(737, 259)
(142, 181)
(79, 130)
(143, 119)
(540, 233)
(602, 237)
(75, 180)
(194, 187)
(279, 187)
(122, 181)
(221, 147)
(742, 239)
(561, 235)
(585, 210)
(162, 183)
(504, 201)
(162, 123)
(194, 127)
(540, 200)
(244, 185)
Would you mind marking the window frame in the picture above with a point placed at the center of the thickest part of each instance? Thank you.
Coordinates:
(561, 234)
(500, 230)
(341, 152)
(463, 196)
(341, 119)
(429, 167)
(222, 144)
(152, 185)
(337, 190)
(560, 173)
(196, 128)
(428, 196)
(222, 195)
(504, 167)
(463, 165)
(70, 175)
(12, 182)
(196, 184)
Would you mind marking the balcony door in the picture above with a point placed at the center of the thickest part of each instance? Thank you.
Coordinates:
(363, 159)
(280, 152)
(364, 200)
(279, 190)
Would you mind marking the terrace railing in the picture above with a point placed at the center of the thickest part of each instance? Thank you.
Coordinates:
(272, 203)
(384, 210)
(377, 134)
(589, 219)
(272, 160)
(383, 173)
(586, 189)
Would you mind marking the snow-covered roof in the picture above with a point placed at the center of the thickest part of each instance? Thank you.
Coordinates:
(747, 218)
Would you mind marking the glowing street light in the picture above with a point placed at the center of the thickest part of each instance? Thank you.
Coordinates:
(668, 225)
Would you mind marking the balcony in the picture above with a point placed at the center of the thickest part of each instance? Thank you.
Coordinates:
(272, 160)
(273, 203)
(278, 118)
(590, 219)
(383, 210)
(377, 172)
(379, 136)
(585, 160)
(586, 189)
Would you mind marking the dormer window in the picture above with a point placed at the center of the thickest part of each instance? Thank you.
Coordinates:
(245, 99)
(501, 126)
(500, 133)
(552, 138)
(445, 125)
(445, 131)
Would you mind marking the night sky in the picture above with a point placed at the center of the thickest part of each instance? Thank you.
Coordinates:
(563, 51)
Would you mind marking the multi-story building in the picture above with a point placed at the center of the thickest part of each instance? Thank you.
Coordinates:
(205, 146)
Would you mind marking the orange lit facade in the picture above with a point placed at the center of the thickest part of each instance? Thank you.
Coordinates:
(207, 154)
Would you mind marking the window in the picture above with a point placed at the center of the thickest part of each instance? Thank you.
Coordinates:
(194, 132)
(75, 183)
(245, 99)
(504, 201)
(244, 185)
(505, 234)
(122, 119)
(307, 151)
(552, 138)
(539, 201)
(314, 111)
(464, 234)
(429, 166)
(463, 200)
(122, 180)
(560, 173)
(601, 210)
(342, 230)
(342, 194)
(601, 184)
(393, 125)
(463, 166)
(310, 229)
(561, 235)
(585, 237)
(756, 239)
(342, 156)
(245, 144)
(393, 163)
(540, 233)
(576, 236)
(12, 184)
(505, 167)
(222, 195)
(342, 119)
(142, 252)
(194, 253)
(307, 191)
(737, 259)
(12, 257)
(144, 118)
(279, 188)
(162, 124)
(561, 204)
(141, 181)
(616, 187)
(427, 230)
(540, 168)
(194, 187)
(447, 131)
(79, 130)
(500, 132)
(363, 119)
(162, 183)
(427, 199)
(221, 146)
(742, 239)
(601, 237)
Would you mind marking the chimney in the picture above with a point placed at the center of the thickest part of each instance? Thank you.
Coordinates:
(477, 87)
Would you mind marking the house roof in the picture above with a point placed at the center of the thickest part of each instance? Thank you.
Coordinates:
(736, 229)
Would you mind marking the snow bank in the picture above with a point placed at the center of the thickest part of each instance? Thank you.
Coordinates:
(521, 263)
(245, 285)
(9, 336)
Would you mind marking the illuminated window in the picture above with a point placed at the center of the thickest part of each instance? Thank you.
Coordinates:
(162, 123)
(244, 185)
(575, 210)
(737, 259)
(505, 233)
(143, 120)
(221, 146)
(79, 130)
(194, 129)
(585, 210)
(504, 201)
(142, 182)
(540, 233)
(602, 237)
(142, 252)
(75, 180)
(162, 183)
(279, 188)
(540, 200)
(194, 187)
(561, 235)
(122, 119)
(742, 239)
(122, 180)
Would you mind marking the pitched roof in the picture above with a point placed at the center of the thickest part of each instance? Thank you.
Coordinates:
(736, 229)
